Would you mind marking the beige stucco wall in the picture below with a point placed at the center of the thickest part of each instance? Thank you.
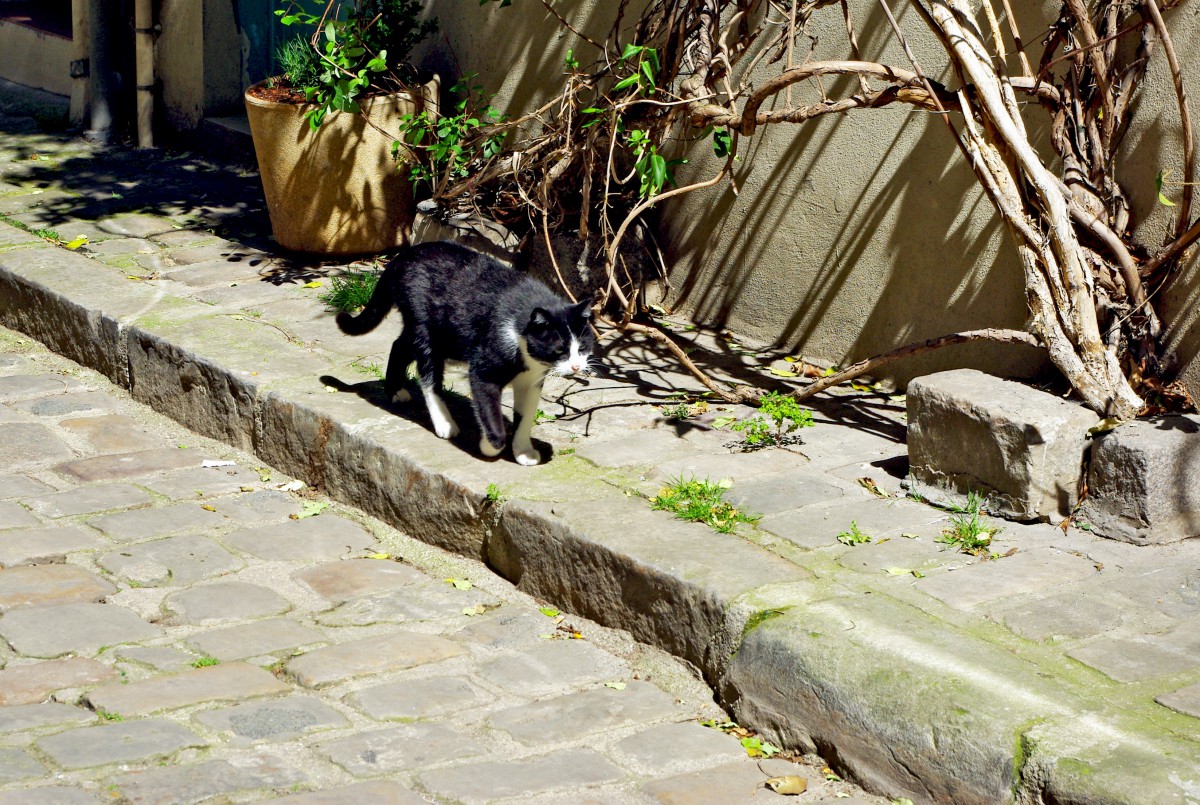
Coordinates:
(848, 237)
(198, 61)
(35, 58)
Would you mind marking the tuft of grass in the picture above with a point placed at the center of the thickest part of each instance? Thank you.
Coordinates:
(205, 661)
(351, 290)
(701, 502)
(970, 532)
(854, 536)
(373, 369)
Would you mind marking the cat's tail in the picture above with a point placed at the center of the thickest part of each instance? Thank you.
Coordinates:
(373, 312)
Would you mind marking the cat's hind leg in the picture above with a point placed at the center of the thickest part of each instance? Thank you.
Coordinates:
(429, 366)
(486, 398)
(527, 393)
(397, 368)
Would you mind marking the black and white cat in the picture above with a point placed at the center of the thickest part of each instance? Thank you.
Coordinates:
(508, 327)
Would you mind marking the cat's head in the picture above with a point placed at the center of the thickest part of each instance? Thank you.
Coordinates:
(561, 338)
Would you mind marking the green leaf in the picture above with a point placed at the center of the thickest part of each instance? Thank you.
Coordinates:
(628, 81)
(1165, 201)
(783, 372)
(1104, 425)
(460, 584)
(76, 243)
(615, 685)
(549, 612)
(722, 421)
(312, 508)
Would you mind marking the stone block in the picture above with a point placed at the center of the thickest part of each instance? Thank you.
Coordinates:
(19, 486)
(357, 578)
(417, 698)
(224, 601)
(28, 684)
(279, 720)
(42, 585)
(310, 539)
(129, 465)
(48, 795)
(214, 683)
(25, 717)
(72, 628)
(568, 769)
(17, 764)
(30, 445)
(577, 715)
(125, 742)
(682, 746)
(732, 782)
(372, 655)
(203, 782)
(112, 433)
(88, 500)
(376, 792)
(411, 746)
(425, 601)
(140, 524)
(256, 639)
(40, 545)
(552, 666)
(1021, 447)
(1144, 481)
(175, 560)
(13, 515)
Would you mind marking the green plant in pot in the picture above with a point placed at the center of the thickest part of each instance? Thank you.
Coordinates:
(323, 128)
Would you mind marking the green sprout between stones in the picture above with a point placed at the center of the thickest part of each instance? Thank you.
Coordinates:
(701, 502)
(969, 530)
(854, 536)
(777, 410)
(351, 290)
(205, 662)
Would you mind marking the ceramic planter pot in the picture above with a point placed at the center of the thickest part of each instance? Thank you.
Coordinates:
(336, 190)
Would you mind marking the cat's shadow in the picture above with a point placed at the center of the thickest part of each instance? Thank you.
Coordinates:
(414, 410)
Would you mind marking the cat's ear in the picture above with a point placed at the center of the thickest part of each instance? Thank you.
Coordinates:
(582, 310)
(539, 319)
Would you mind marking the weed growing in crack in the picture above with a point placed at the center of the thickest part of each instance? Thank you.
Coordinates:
(351, 290)
(701, 502)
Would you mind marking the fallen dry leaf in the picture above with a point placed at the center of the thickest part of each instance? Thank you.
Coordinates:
(790, 784)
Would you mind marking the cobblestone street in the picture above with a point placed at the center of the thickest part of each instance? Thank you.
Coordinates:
(181, 623)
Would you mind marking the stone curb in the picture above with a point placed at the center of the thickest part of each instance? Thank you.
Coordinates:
(792, 656)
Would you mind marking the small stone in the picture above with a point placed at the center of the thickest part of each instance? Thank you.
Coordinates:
(255, 639)
(552, 666)
(52, 631)
(1185, 700)
(112, 433)
(41, 545)
(566, 769)
(17, 764)
(125, 742)
(373, 655)
(224, 601)
(279, 720)
(202, 482)
(357, 578)
(26, 445)
(375, 792)
(27, 684)
(141, 524)
(176, 560)
(88, 500)
(42, 585)
(215, 683)
(13, 515)
(129, 465)
(575, 715)
(176, 785)
(43, 714)
(20, 486)
(48, 795)
(417, 698)
(317, 538)
(402, 748)
(673, 747)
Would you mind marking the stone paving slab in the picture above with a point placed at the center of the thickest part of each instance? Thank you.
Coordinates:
(378, 792)
(372, 655)
(224, 601)
(202, 781)
(132, 742)
(88, 500)
(403, 748)
(256, 639)
(493, 780)
(52, 631)
(40, 545)
(217, 683)
(28, 684)
(175, 560)
(42, 585)
(577, 715)
(278, 720)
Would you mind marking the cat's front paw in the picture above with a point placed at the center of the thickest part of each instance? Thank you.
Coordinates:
(445, 427)
(527, 455)
(488, 449)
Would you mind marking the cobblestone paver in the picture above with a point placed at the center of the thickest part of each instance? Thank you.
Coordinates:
(177, 633)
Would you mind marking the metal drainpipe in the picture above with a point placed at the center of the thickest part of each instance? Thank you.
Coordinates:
(143, 37)
(102, 17)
